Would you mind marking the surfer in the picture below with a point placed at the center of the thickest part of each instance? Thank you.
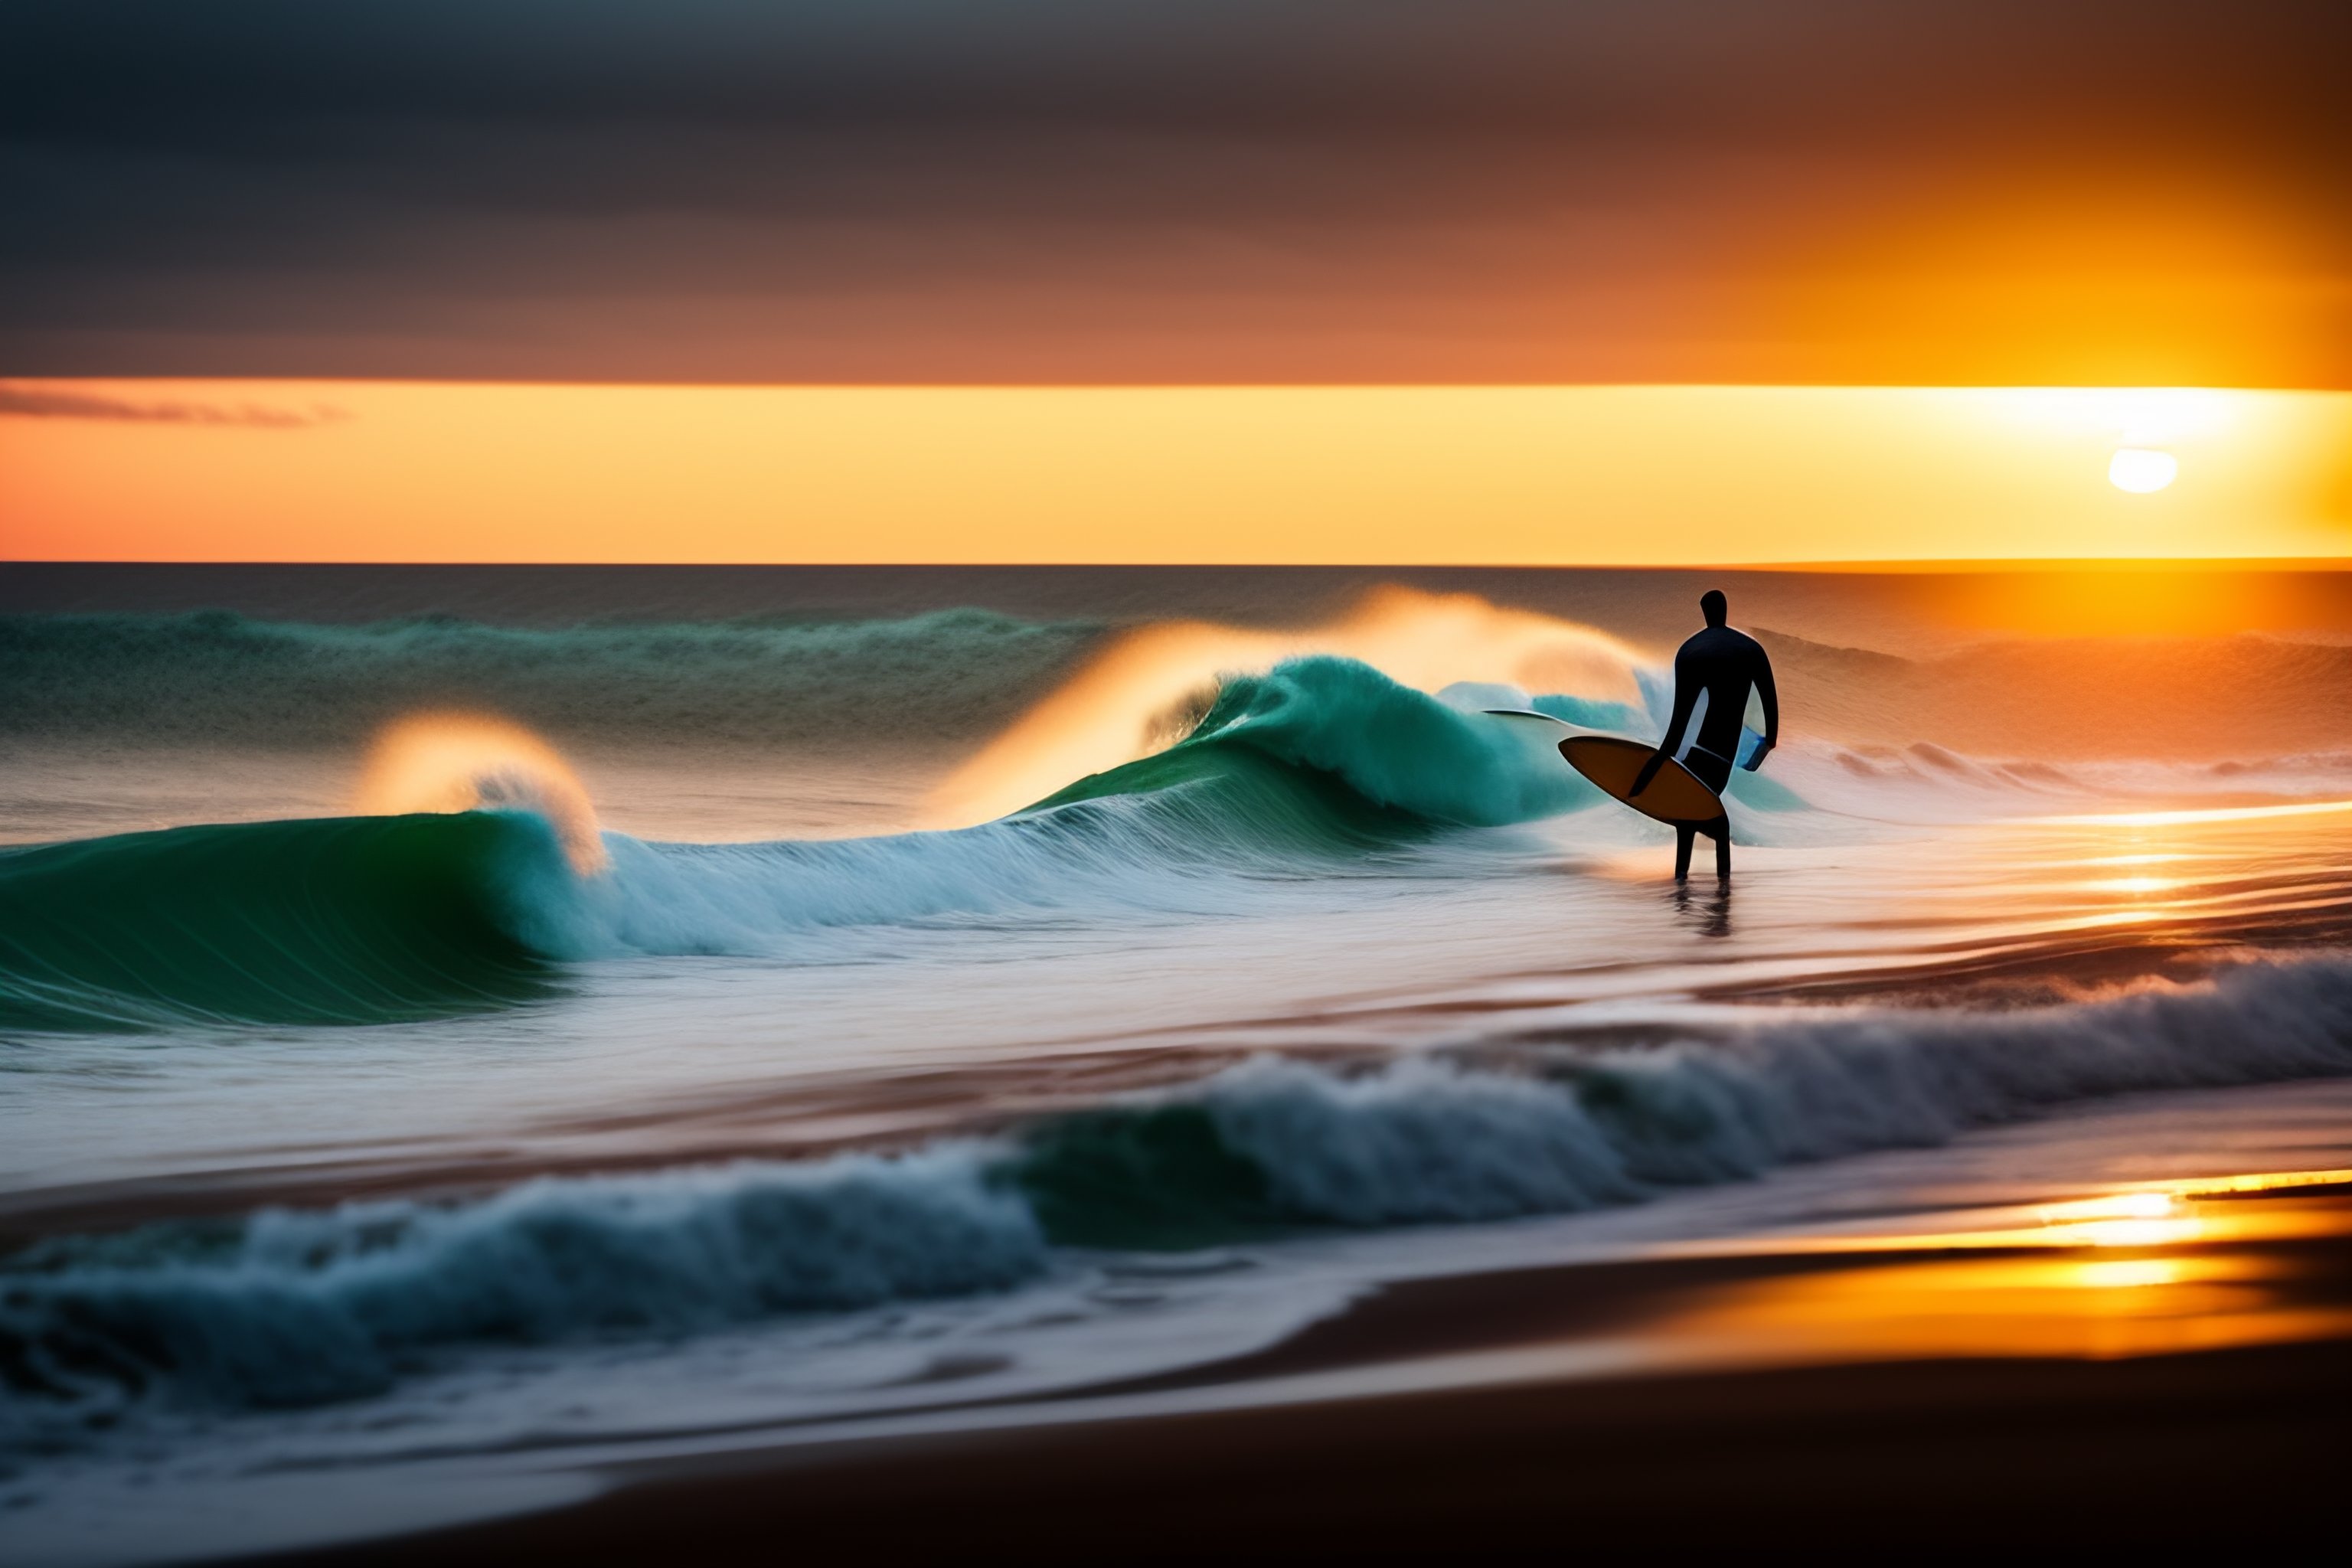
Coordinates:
(1713, 672)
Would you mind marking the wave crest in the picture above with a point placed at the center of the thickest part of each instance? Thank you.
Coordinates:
(1275, 1141)
(1119, 707)
(291, 1308)
(299, 1307)
(464, 762)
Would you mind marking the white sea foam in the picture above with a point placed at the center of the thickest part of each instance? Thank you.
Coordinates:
(1420, 1141)
(1423, 1141)
(297, 1308)
(1143, 845)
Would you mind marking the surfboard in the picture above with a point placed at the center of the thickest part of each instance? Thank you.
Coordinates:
(1612, 761)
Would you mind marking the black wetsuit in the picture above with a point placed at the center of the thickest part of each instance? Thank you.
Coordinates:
(1713, 672)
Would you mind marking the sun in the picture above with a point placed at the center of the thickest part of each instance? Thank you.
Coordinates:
(2141, 469)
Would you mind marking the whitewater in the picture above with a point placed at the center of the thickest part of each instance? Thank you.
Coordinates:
(429, 1041)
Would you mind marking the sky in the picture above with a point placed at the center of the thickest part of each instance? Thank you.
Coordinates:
(1006, 194)
(1430, 475)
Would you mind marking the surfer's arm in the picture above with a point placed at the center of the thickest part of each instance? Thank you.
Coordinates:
(1686, 689)
(1770, 695)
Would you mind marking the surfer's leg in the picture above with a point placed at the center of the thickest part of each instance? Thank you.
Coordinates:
(1720, 831)
(1684, 836)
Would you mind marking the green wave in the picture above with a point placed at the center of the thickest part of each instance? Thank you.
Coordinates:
(1327, 752)
(339, 920)
(1212, 796)
(1317, 764)
(1159, 1177)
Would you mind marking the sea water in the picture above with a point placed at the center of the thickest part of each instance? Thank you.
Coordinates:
(457, 1020)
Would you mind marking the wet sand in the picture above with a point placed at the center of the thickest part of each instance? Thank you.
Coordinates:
(1971, 1390)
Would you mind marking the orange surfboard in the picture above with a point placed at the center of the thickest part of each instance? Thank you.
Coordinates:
(1675, 794)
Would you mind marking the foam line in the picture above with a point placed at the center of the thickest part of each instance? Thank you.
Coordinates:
(297, 1308)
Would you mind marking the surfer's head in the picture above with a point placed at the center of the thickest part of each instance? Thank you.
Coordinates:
(1713, 606)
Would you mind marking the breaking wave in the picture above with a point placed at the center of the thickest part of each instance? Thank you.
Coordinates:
(342, 920)
(1276, 1142)
(1293, 773)
(290, 1309)
(1314, 766)
(285, 1308)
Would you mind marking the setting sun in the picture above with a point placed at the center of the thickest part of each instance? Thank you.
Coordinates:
(2141, 470)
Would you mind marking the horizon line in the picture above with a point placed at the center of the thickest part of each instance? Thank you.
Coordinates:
(1890, 566)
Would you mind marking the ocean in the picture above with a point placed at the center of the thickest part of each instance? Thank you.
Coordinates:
(464, 1028)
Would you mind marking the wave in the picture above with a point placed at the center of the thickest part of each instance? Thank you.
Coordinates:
(342, 920)
(1276, 1142)
(1319, 765)
(214, 677)
(1315, 767)
(1311, 769)
(292, 1308)
(1372, 746)
(1147, 684)
(285, 1308)
(1387, 746)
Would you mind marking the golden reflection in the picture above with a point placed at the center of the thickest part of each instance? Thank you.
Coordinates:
(2126, 1219)
(2122, 1206)
(2010, 1307)
(2212, 814)
(2134, 1233)
(2215, 1271)
(2143, 1213)
(2175, 867)
(2132, 885)
(2131, 1274)
(2038, 1285)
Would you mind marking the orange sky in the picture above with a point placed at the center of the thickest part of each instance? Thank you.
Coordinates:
(406, 471)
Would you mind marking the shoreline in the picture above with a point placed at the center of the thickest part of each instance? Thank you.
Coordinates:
(1836, 1451)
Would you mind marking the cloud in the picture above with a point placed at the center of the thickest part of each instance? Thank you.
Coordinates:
(1211, 190)
(44, 403)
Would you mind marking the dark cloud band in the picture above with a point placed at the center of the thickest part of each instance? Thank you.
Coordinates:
(49, 403)
(1176, 189)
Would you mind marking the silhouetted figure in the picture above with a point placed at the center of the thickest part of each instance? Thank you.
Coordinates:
(1713, 672)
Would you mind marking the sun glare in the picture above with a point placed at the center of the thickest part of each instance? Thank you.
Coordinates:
(2142, 470)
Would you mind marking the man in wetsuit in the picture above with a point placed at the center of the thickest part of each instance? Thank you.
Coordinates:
(1713, 672)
